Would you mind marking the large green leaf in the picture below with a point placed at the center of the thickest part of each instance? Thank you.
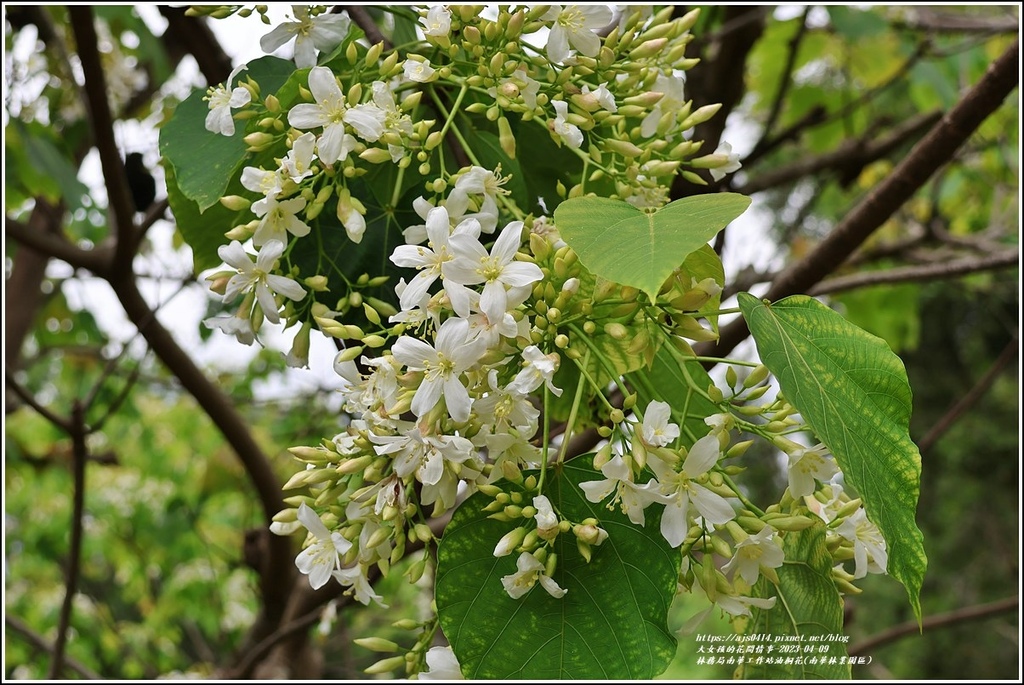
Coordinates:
(807, 619)
(624, 244)
(612, 623)
(204, 162)
(853, 392)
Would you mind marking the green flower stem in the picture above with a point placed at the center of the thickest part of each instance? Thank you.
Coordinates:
(739, 494)
(572, 413)
(580, 335)
(599, 388)
(546, 440)
(397, 191)
(726, 360)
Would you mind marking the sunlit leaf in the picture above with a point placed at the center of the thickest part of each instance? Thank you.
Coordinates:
(617, 241)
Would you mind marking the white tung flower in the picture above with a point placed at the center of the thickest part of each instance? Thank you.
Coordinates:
(632, 498)
(603, 95)
(576, 25)
(438, 21)
(732, 164)
(297, 164)
(807, 464)
(570, 133)
(429, 259)
(539, 369)
(330, 112)
(869, 553)
(441, 665)
(656, 430)
(762, 549)
(672, 100)
(258, 277)
(498, 271)
(418, 71)
(222, 101)
(278, 219)
(681, 489)
(322, 32)
(442, 363)
(547, 519)
(323, 557)
(530, 570)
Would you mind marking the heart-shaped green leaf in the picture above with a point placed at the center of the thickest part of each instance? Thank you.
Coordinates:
(617, 241)
(853, 392)
(807, 619)
(613, 622)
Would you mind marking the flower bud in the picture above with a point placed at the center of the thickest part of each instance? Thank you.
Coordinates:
(376, 644)
(508, 542)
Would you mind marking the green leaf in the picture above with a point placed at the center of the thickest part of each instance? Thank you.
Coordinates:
(853, 392)
(624, 244)
(809, 609)
(612, 623)
(203, 231)
(205, 162)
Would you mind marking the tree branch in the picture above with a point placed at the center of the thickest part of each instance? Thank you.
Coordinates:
(972, 613)
(79, 454)
(926, 19)
(276, 580)
(848, 159)
(928, 272)
(933, 151)
(37, 641)
(50, 245)
(1008, 355)
(101, 122)
(364, 21)
(25, 396)
(784, 82)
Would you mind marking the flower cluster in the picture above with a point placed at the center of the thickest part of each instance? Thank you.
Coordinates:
(450, 371)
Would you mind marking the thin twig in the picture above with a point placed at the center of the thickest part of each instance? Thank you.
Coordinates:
(972, 613)
(785, 80)
(36, 640)
(1008, 355)
(909, 274)
(28, 399)
(80, 455)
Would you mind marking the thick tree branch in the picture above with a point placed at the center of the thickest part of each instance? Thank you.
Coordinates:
(1006, 357)
(119, 199)
(928, 272)
(36, 640)
(934, 150)
(972, 613)
(278, 572)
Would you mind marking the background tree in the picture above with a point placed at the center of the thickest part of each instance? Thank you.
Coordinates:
(879, 145)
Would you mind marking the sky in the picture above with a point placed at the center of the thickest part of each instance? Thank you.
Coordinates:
(182, 310)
